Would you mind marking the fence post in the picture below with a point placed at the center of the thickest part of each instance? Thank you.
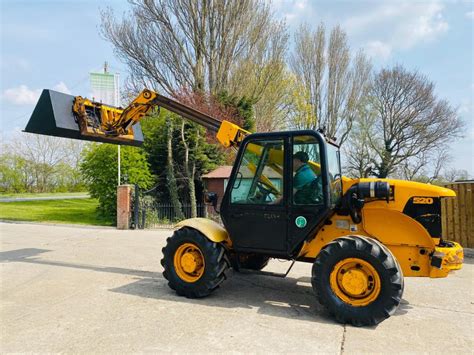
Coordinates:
(124, 202)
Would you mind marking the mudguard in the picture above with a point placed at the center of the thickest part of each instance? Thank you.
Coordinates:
(212, 230)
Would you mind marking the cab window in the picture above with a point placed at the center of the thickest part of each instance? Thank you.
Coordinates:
(334, 169)
(259, 179)
(307, 182)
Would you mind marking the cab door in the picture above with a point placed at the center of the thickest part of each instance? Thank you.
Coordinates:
(309, 201)
(254, 208)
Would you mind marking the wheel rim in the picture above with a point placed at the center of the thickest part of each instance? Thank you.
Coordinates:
(188, 262)
(355, 281)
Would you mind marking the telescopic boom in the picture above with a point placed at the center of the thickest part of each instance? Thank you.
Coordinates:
(97, 120)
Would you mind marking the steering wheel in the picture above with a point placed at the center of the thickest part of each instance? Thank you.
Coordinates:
(319, 192)
(264, 192)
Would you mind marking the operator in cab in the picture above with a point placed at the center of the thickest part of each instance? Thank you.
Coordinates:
(307, 187)
(306, 184)
(304, 175)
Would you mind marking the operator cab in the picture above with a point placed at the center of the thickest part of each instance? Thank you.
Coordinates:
(282, 188)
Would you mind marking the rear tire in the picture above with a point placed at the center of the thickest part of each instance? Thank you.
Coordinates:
(358, 280)
(193, 265)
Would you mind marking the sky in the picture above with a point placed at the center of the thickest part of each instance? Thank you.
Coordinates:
(56, 43)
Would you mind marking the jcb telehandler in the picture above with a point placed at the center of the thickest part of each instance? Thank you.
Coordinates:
(286, 198)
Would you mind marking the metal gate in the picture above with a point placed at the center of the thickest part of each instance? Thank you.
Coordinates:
(149, 212)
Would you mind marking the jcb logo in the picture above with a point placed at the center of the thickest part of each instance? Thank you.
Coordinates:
(422, 200)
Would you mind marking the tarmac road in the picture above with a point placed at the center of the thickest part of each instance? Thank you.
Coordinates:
(73, 289)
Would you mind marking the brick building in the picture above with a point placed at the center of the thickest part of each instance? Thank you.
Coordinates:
(216, 181)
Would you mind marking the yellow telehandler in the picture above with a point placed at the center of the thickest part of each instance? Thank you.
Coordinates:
(286, 198)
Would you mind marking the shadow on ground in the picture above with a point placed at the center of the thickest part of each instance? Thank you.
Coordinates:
(289, 297)
(30, 256)
(279, 297)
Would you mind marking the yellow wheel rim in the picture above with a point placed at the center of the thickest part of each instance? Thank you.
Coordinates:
(188, 262)
(355, 281)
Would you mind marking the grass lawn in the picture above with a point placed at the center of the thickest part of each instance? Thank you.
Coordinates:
(81, 211)
(46, 194)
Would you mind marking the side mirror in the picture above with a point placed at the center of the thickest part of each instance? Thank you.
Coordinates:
(211, 198)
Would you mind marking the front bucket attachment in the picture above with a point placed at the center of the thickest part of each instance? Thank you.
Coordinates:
(53, 116)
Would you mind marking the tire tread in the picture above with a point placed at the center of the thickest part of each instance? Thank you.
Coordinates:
(358, 316)
(215, 259)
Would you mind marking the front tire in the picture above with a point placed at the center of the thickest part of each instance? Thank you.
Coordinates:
(358, 280)
(193, 265)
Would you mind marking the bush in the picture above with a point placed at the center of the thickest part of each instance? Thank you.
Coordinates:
(99, 168)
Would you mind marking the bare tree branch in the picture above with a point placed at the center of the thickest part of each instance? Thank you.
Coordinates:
(412, 127)
(335, 82)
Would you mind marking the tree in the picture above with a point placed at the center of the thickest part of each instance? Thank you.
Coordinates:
(411, 127)
(44, 153)
(357, 152)
(240, 108)
(275, 106)
(99, 168)
(170, 175)
(425, 167)
(14, 175)
(301, 112)
(263, 80)
(335, 83)
(452, 175)
(36, 163)
(201, 158)
(195, 46)
(174, 44)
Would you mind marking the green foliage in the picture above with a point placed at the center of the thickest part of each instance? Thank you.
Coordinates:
(244, 107)
(68, 179)
(303, 113)
(19, 174)
(11, 173)
(99, 168)
(207, 156)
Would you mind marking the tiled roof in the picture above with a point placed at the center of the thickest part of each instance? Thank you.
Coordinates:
(222, 172)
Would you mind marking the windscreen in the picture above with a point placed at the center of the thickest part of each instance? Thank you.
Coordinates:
(334, 170)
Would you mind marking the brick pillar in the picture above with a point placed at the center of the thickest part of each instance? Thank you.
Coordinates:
(124, 206)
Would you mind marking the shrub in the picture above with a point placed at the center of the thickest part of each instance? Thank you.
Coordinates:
(99, 168)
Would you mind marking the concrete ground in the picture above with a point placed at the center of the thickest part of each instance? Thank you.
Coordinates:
(76, 289)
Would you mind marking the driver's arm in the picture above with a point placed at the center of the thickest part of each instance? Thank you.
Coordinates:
(277, 201)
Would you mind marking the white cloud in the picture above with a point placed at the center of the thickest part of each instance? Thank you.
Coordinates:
(470, 15)
(424, 28)
(61, 87)
(301, 4)
(23, 95)
(293, 9)
(400, 25)
(378, 49)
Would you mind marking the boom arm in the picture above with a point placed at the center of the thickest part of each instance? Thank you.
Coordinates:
(96, 119)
